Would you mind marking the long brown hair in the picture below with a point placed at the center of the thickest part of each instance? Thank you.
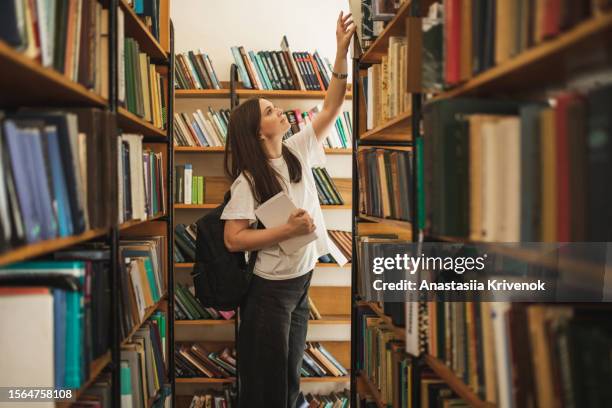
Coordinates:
(244, 153)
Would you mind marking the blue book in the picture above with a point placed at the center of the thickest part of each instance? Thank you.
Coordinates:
(199, 133)
(260, 73)
(25, 189)
(241, 68)
(212, 72)
(59, 183)
(139, 6)
(59, 336)
(74, 340)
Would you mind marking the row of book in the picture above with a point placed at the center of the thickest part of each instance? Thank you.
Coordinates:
(326, 188)
(142, 279)
(516, 354)
(68, 36)
(201, 129)
(142, 88)
(57, 312)
(519, 171)
(343, 240)
(386, 184)
(336, 399)
(51, 182)
(386, 85)
(214, 398)
(144, 363)
(188, 307)
(184, 243)
(141, 180)
(272, 70)
(194, 70)
(341, 135)
(148, 12)
(319, 362)
(471, 37)
(189, 189)
(371, 17)
(194, 360)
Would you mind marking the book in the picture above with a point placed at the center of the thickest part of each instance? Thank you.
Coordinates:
(275, 212)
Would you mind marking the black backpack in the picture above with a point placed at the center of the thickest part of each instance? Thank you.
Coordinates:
(221, 278)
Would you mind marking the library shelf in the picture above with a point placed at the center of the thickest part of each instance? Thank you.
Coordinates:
(43, 247)
(203, 380)
(148, 314)
(398, 223)
(455, 383)
(400, 331)
(252, 93)
(372, 390)
(397, 129)
(129, 122)
(133, 223)
(208, 206)
(318, 265)
(325, 320)
(95, 369)
(221, 149)
(32, 83)
(534, 65)
(135, 28)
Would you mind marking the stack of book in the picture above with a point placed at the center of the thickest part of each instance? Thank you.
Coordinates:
(148, 12)
(141, 180)
(326, 189)
(341, 135)
(386, 86)
(509, 172)
(188, 307)
(58, 314)
(188, 189)
(194, 360)
(318, 362)
(343, 240)
(51, 182)
(194, 70)
(70, 37)
(385, 183)
(337, 399)
(313, 313)
(482, 36)
(274, 70)
(143, 264)
(201, 129)
(185, 240)
(144, 362)
(225, 398)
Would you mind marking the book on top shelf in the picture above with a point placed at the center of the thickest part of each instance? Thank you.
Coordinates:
(194, 70)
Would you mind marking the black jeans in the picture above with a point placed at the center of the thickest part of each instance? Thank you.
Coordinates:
(271, 341)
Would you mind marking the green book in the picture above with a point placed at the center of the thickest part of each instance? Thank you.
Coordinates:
(195, 303)
(126, 385)
(201, 189)
(337, 198)
(189, 308)
(194, 190)
(151, 278)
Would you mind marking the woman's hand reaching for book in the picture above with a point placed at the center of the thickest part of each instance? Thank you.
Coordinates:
(300, 223)
(345, 28)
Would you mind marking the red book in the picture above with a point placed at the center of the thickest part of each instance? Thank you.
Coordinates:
(563, 171)
(552, 17)
(452, 41)
(317, 71)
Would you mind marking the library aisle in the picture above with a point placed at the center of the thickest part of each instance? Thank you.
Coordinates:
(473, 145)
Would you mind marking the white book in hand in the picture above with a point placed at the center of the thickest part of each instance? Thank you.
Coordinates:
(275, 212)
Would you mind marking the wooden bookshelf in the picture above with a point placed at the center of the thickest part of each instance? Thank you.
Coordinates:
(397, 129)
(146, 317)
(397, 223)
(27, 82)
(455, 383)
(202, 380)
(400, 331)
(318, 265)
(135, 28)
(252, 93)
(44, 247)
(534, 64)
(131, 123)
(326, 320)
(134, 223)
(96, 367)
(221, 149)
(371, 390)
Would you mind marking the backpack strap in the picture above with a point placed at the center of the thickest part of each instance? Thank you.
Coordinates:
(253, 254)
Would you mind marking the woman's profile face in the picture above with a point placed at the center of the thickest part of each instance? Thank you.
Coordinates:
(274, 123)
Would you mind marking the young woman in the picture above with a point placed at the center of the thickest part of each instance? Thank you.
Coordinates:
(274, 317)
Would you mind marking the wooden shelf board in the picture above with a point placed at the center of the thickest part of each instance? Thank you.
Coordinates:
(132, 223)
(27, 82)
(148, 314)
(372, 390)
(535, 64)
(318, 265)
(95, 369)
(204, 322)
(40, 248)
(135, 28)
(201, 380)
(397, 129)
(251, 93)
(221, 149)
(331, 319)
(400, 331)
(398, 223)
(129, 122)
(455, 383)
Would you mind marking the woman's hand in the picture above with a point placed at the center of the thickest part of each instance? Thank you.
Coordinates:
(345, 28)
(300, 223)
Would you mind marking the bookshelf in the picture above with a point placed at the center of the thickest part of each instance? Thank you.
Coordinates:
(27, 83)
(560, 63)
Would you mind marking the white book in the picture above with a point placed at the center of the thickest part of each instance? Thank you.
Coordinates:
(136, 175)
(275, 212)
(370, 100)
(137, 284)
(120, 206)
(187, 178)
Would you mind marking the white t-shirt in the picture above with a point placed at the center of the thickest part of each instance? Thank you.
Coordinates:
(272, 262)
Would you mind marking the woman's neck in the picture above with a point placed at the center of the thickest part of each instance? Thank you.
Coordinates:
(273, 149)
